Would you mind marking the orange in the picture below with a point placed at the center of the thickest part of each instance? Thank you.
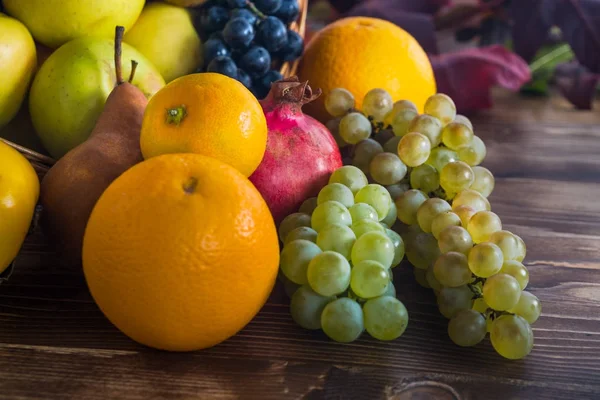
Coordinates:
(208, 114)
(180, 252)
(360, 54)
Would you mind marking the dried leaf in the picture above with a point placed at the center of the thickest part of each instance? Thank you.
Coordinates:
(577, 84)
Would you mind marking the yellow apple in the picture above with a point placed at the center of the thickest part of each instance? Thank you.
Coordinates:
(70, 89)
(17, 66)
(55, 22)
(166, 35)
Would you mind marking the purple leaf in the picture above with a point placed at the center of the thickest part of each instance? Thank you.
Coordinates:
(579, 21)
(577, 84)
(468, 75)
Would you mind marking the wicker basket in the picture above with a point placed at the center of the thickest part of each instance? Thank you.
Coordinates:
(42, 163)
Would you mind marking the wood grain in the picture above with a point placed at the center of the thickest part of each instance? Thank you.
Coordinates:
(54, 342)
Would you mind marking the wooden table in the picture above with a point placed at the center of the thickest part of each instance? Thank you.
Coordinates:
(54, 342)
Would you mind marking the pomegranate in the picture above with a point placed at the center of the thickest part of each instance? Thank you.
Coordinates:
(301, 153)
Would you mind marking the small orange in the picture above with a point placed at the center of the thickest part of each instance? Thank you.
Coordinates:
(360, 54)
(180, 252)
(209, 114)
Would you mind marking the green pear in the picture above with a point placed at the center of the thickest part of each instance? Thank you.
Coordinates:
(70, 89)
(55, 22)
(17, 66)
(166, 35)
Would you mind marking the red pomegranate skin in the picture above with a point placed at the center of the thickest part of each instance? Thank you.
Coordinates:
(301, 154)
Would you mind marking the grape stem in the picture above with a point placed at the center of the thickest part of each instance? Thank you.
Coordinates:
(255, 10)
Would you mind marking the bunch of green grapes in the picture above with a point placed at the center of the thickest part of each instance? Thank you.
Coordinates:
(337, 260)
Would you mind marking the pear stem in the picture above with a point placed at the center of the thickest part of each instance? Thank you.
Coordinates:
(134, 65)
(118, 40)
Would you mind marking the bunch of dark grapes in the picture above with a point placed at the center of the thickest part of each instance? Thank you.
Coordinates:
(249, 40)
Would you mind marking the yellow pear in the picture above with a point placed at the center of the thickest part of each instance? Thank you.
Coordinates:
(55, 22)
(17, 66)
(166, 35)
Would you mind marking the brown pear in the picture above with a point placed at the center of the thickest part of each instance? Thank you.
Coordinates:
(74, 184)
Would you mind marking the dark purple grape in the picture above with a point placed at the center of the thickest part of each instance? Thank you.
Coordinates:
(214, 48)
(267, 6)
(236, 3)
(223, 65)
(270, 77)
(256, 62)
(214, 19)
(271, 33)
(289, 11)
(244, 78)
(244, 13)
(293, 48)
(238, 33)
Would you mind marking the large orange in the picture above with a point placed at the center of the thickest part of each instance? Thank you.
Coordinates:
(180, 252)
(360, 54)
(208, 114)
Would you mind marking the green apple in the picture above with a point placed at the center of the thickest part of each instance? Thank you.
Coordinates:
(55, 22)
(166, 35)
(70, 89)
(17, 66)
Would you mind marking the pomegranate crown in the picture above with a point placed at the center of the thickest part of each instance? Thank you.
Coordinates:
(292, 90)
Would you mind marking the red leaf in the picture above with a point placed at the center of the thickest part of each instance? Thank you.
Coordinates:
(468, 75)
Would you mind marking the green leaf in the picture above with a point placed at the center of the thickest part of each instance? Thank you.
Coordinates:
(543, 65)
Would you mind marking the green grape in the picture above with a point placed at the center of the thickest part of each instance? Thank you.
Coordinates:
(414, 149)
(429, 210)
(350, 176)
(342, 320)
(377, 104)
(517, 271)
(364, 152)
(396, 190)
(402, 121)
(480, 305)
(292, 222)
(336, 192)
(463, 120)
(333, 125)
(391, 146)
(398, 247)
(328, 273)
(391, 217)
(289, 287)
(295, 258)
(473, 153)
(442, 221)
(485, 259)
(471, 198)
(302, 232)
(355, 127)
(366, 225)
(360, 211)
(484, 181)
(465, 213)
(507, 242)
(429, 126)
(399, 106)
(451, 300)
(452, 269)
(330, 212)
(384, 136)
(369, 279)
(377, 197)
(407, 205)
(511, 336)
(467, 328)
(374, 246)
(455, 238)
(423, 250)
(338, 238)
(442, 107)
(307, 306)
(482, 224)
(440, 156)
(386, 318)
(455, 135)
(431, 280)
(425, 178)
(521, 249)
(387, 169)
(529, 307)
(456, 177)
(421, 277)
(308, 206)
(338, 102)
(501, 291)
(390, 290)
